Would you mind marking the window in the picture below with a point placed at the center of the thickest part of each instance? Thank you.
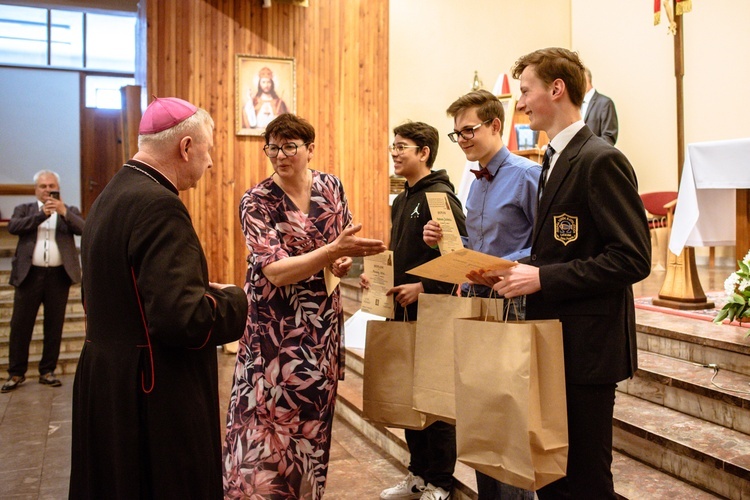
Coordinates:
(104, 91)
(76, 40)
(66, 32)
(32, 36)
(23, 35)
(110, 42)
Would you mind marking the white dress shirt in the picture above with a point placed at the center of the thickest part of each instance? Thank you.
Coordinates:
(46, 253)
(561, 140)
(586, 100)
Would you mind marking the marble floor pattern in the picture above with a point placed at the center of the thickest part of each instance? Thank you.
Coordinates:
(35, 434)
(35, 439)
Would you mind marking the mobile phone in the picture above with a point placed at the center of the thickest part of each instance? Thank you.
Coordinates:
(54, 194)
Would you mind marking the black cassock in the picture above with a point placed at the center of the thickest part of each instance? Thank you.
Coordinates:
(146, 418)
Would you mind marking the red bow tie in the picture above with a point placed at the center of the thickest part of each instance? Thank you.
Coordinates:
(482, 172)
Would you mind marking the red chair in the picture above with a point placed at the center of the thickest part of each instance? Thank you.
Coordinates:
(656, 206)
(659, 206)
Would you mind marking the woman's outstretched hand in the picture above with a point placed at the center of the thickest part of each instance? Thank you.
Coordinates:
(349, 245)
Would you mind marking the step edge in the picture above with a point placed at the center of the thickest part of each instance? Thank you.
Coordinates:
(708, 390)
(702, 454)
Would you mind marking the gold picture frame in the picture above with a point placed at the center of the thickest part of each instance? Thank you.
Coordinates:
(265, 87)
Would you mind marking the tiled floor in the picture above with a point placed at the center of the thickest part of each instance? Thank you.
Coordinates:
(35, 434)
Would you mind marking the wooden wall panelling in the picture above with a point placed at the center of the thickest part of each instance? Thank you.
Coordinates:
(341, 55)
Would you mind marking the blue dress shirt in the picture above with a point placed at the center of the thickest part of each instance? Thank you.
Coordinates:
(500, 213)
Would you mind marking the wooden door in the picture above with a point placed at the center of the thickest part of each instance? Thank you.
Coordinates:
(101, 152)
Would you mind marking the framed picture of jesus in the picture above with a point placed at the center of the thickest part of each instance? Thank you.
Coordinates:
(265, 88)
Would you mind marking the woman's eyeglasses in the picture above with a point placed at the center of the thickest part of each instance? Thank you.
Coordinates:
(289, 149)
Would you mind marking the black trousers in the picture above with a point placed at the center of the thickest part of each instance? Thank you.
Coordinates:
(433, 453)
(590, 410)
(43, 285)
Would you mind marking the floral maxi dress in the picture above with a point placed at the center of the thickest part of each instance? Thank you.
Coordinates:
(288, 362)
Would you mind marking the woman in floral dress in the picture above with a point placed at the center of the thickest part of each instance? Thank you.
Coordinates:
(297, 226)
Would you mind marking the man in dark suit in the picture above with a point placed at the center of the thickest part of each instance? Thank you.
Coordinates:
(45, 265)
(590, 243)
(599, 113)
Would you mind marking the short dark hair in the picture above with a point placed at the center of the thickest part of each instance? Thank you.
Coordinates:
(488, 106)
(290, 126)
(423, 135)
(553, 63)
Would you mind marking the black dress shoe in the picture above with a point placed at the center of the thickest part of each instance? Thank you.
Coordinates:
(50, 380)
(13, 383)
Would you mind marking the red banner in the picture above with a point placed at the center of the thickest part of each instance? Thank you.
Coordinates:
(657, 12)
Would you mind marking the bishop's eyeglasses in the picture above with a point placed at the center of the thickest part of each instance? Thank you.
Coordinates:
(466, 133)
(289, 149)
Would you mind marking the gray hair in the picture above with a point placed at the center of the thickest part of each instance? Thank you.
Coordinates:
(201, 118)
(46, 172)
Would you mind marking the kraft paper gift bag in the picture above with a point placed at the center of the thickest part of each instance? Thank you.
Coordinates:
(511, 412)
(389, 369)
(434, 391)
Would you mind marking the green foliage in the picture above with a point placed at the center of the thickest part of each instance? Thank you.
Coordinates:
(737, 287)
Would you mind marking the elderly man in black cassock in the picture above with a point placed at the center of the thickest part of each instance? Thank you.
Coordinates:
(145, 400)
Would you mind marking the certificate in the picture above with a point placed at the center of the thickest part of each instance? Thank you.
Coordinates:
(453, 267)
(440, 210)
(379, 270)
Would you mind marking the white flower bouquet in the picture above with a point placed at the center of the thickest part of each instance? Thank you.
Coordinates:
(737, 288)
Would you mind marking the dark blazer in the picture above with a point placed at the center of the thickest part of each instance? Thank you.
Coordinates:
(591, 243)
(601, 117)
(25, 222)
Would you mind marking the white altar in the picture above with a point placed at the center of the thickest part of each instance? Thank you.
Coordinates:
(705, 214)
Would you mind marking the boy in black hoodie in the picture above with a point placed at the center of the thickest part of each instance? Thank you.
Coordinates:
(414, 149)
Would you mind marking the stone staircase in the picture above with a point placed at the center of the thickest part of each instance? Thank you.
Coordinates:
(680, 429)
(676, 434)
(73, 331)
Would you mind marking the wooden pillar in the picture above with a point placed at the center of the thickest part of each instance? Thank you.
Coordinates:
(742, 245)
(682, 288)
(131, 119)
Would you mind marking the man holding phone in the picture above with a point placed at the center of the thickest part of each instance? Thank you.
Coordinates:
(46, 263)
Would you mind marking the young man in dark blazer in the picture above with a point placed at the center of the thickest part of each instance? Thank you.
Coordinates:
(590, 244)
(45, 265)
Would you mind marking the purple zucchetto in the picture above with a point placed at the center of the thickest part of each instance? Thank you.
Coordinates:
(164, 113)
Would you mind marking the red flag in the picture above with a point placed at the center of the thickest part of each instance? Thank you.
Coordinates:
(506, 85)
(512, 139)
(657, 12)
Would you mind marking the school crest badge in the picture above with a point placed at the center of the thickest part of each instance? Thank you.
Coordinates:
(566, 228)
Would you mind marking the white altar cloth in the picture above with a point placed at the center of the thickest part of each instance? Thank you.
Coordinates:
(705, 214)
